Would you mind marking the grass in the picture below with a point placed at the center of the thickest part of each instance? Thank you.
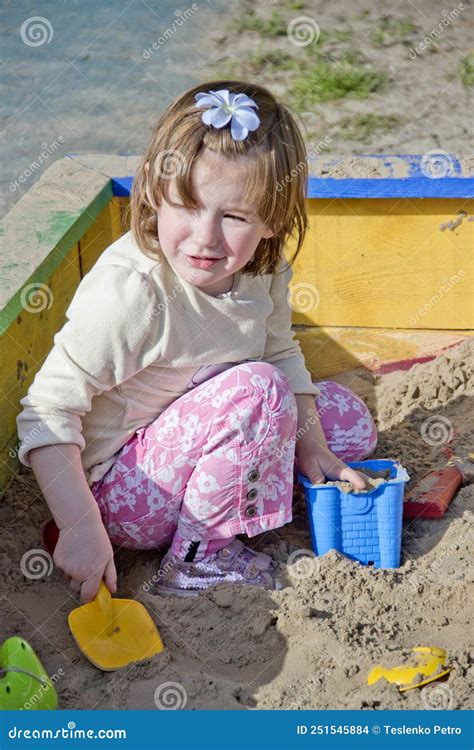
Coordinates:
(362, 127)
(466, 70)
(391, 30)
(325, 82)
(340, 35)
(278, 60)
(251, 21)
(317, 53)
(255, 63)
(334, 36)
(313, 140)
(228, 69)
(317, 72)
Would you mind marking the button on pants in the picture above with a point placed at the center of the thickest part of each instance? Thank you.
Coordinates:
(219, 461)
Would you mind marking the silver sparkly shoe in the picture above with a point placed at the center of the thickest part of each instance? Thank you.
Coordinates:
(235, 563)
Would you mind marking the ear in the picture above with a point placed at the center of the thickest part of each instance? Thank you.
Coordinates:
(267, 233)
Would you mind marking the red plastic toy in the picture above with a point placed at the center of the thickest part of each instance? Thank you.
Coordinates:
(431, 496)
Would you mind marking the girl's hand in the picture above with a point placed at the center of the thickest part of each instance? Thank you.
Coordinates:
(84, 553)
(319, 465)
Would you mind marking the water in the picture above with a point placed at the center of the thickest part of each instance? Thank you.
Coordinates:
(86, 78)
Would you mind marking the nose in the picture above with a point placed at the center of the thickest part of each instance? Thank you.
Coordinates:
(205, 231)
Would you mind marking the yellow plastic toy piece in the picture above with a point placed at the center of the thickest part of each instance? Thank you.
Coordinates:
(114, 632)
(430, 666)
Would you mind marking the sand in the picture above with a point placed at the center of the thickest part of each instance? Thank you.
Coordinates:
(424, 97)
(310, 645)
(373, 479)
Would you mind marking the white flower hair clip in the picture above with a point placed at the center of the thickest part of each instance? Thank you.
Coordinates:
(224, 107)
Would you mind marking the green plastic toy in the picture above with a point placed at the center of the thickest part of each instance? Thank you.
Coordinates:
(24, 684)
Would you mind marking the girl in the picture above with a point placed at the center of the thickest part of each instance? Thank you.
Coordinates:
(170, 407)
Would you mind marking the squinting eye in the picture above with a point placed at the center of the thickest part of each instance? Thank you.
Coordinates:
(238, 218)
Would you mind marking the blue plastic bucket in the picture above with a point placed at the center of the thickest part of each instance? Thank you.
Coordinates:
(364, 526)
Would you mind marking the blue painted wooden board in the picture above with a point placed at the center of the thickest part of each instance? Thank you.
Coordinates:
(392, 188)
(121, 186)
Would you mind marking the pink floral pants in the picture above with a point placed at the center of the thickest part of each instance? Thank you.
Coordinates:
(220, 461)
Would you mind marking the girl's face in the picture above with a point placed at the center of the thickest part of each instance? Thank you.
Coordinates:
(222, 230)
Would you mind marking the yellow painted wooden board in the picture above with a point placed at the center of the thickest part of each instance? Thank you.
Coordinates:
(124, 205)
(29, 338)
(26, 343)
(329, 350)
(385, 263)
(106, 229)
(382, 263)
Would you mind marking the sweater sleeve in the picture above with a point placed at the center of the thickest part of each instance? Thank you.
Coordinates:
(111, 333)
(281, 348)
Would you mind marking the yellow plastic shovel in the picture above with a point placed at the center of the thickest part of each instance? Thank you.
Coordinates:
(114, 632)
(430, 665)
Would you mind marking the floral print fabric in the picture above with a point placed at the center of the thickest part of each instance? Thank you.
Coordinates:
(219, 461)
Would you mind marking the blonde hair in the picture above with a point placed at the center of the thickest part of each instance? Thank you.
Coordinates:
(276, 179)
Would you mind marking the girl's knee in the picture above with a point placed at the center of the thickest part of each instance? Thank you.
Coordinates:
(347, 422)
(265, 375)
(335, 398)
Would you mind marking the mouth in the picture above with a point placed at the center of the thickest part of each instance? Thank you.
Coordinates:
(202, 257)
(202, 262)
